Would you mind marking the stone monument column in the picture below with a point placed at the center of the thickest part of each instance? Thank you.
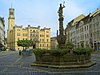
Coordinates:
(60, 14)
(61, 37)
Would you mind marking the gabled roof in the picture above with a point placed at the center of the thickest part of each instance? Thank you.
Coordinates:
(85, 20)
(77, 19)
(95, 12)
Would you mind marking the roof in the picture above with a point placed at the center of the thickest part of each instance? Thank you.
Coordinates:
(77, 19)
(85, 20)
(16, 26)
(95, 12)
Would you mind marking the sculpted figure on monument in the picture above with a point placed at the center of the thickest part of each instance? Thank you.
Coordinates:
(60, 11)
(61, 38)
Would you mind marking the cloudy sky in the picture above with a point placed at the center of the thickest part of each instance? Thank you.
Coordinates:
(44, 12)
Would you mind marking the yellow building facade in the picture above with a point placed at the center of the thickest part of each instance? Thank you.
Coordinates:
(54, 43)
(40, 37)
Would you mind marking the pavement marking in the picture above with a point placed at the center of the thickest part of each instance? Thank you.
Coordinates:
(18, 60)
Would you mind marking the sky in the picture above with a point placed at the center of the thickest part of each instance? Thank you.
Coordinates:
(44, 12)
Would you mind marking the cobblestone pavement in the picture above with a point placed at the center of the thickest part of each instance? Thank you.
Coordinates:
(13, 64)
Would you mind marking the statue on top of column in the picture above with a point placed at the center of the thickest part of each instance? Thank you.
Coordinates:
(60, 10)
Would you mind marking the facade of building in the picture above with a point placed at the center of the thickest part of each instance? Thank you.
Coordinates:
(86, 31)
(2, 32)
(40, 37)
(71, 29)
(82, 32)
(95, 30)
(54, 43)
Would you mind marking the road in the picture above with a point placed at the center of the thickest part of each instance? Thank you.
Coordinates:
(13, 64)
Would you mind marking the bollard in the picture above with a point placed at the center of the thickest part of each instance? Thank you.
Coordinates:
(19, 52)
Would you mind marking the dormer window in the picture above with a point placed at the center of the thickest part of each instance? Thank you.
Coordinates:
(81, 23)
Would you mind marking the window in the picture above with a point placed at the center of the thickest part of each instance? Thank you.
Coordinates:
(85, 36)
(47, 31)
(36, 35)
(41, 35)
(47, 40)
(23, 34)
(47, 45)
(91, 34)
(30, 34)
(47, 35)
(18, 39)
(87, 27)
(82, 29)
(42, 40)
(40, 45)
(33, 30)
(90, 26)
(97, 25)
(18, 34)
(37, 31)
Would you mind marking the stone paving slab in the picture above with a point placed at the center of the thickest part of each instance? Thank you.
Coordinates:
(12, 64)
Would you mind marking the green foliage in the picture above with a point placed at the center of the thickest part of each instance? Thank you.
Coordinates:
(69, 46)
(58, 52)
(3, 49)
(39, 52)
(83, 50)
(25, 43)
(55, 52)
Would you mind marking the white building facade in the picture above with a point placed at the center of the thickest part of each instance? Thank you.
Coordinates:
(95, 30)
(2, 32)
(85, 32)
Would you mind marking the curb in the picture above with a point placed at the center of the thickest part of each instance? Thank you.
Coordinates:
(64, 66)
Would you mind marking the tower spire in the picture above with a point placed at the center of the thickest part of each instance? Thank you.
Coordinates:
(11, 18)
(11, 5)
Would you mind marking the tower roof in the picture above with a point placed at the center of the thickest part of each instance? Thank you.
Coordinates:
(11, 8)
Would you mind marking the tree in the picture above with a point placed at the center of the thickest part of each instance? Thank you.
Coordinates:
(25, 43)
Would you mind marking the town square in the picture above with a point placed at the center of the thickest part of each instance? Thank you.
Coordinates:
(49, 37)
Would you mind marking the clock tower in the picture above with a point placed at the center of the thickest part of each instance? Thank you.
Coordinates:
(11, 24)
(11, 19)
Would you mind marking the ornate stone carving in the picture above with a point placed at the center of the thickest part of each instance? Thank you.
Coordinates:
(61, 38)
